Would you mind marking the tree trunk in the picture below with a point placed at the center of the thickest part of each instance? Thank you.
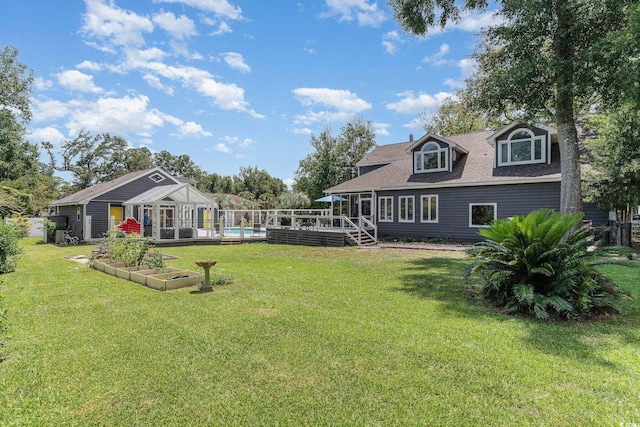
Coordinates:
(570, 187)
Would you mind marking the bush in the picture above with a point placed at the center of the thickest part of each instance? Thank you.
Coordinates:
(9, 247)
(530, 266)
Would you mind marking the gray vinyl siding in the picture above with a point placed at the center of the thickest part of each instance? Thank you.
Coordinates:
(99, 212)
(72, 218)
(453, 209)
(366, 169)
(134, 188)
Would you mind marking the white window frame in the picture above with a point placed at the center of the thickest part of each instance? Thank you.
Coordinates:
(383, 203)
(417, 158)
(495, 214)
(437, 213)
(405, 212)
(532, 140)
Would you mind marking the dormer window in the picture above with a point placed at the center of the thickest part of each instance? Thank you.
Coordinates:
(432, 158)
(522, 147)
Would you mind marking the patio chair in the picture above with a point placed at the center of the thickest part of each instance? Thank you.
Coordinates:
(257, 229)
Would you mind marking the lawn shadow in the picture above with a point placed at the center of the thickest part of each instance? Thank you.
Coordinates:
(441, 279)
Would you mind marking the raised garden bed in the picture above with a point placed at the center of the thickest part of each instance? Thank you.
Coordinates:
(164, 279)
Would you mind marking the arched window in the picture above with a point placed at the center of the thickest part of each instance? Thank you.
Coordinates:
(522, 147)
(432, 158)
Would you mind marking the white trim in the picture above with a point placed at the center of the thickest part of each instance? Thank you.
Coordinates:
(413, 211)
(465, 184)
(429, 135)
(533, 138)
(492, 139)
(424, 196)
(418, 165)
(389, 200)
(495, 213)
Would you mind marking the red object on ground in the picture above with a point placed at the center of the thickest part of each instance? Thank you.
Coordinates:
(130, 225)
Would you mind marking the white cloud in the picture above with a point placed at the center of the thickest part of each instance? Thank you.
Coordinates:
(225, 96)
(128, 114)
(42, 84)
(390, 42)
(48, 133)
(222, 148)
(474, 22)
(236, 61)
(381, 129)
(237, 141)
(192, 130)
(155, 83)
(219, 7)
(116, 26)
(89, 65)
(365, 13)
(223, 28)
(289, 182)
(179, 28)
(414, 104)
(302, 131)
(49, 110)
(437, 58)
(345, 102)
(416, 124)
(78, 81)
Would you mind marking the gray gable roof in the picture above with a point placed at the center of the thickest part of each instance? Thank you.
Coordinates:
(86, 195)
(472, 169)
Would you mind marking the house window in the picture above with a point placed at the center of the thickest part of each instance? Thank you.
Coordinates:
(482, 214)
(385, 209)
(406, 208)
(522, 147)
(432, 158)
(156, 177)
(429, 209)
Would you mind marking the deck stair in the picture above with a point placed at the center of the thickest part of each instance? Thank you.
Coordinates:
(360, 235)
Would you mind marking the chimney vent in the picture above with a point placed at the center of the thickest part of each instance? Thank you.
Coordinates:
(410, 137)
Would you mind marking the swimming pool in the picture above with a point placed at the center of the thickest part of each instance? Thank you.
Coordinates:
(248, 232)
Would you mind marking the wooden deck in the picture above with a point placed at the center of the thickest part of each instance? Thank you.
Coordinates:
(315, 237)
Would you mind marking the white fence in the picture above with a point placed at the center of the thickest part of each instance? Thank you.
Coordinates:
(36, 228)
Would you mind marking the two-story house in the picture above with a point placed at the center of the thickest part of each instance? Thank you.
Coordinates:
(449, 187)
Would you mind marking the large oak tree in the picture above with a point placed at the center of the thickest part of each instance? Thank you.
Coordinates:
(547, 58)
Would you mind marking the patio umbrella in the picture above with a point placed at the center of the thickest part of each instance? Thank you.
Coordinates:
(332, 198)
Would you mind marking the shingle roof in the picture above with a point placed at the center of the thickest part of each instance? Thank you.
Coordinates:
(474, 168)
(85, 195)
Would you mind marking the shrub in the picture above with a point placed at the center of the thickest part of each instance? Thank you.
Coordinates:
(9, 247)
(529, 265)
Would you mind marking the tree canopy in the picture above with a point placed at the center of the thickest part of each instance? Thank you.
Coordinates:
(334, 158)
(15, 84)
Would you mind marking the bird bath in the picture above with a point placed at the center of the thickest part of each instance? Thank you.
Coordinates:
(206, 264)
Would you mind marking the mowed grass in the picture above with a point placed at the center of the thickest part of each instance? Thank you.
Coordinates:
(304, 336)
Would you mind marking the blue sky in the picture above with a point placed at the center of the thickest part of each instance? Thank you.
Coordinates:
(231, 83)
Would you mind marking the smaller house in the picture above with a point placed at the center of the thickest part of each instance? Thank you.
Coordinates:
(165, 206)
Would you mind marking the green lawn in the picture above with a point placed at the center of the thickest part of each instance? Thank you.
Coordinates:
(304, 336)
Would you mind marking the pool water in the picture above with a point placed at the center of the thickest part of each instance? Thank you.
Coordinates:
(235, 231)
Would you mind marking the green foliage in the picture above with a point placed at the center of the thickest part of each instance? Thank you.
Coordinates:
(456, 116)
(530, 264)
(334, 159)
(131, 250)
(9, 246)
(614, 156)
(293, 200)
(15, 84)
(154, 259)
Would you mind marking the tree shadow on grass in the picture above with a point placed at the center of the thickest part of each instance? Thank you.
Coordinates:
(586, 341)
